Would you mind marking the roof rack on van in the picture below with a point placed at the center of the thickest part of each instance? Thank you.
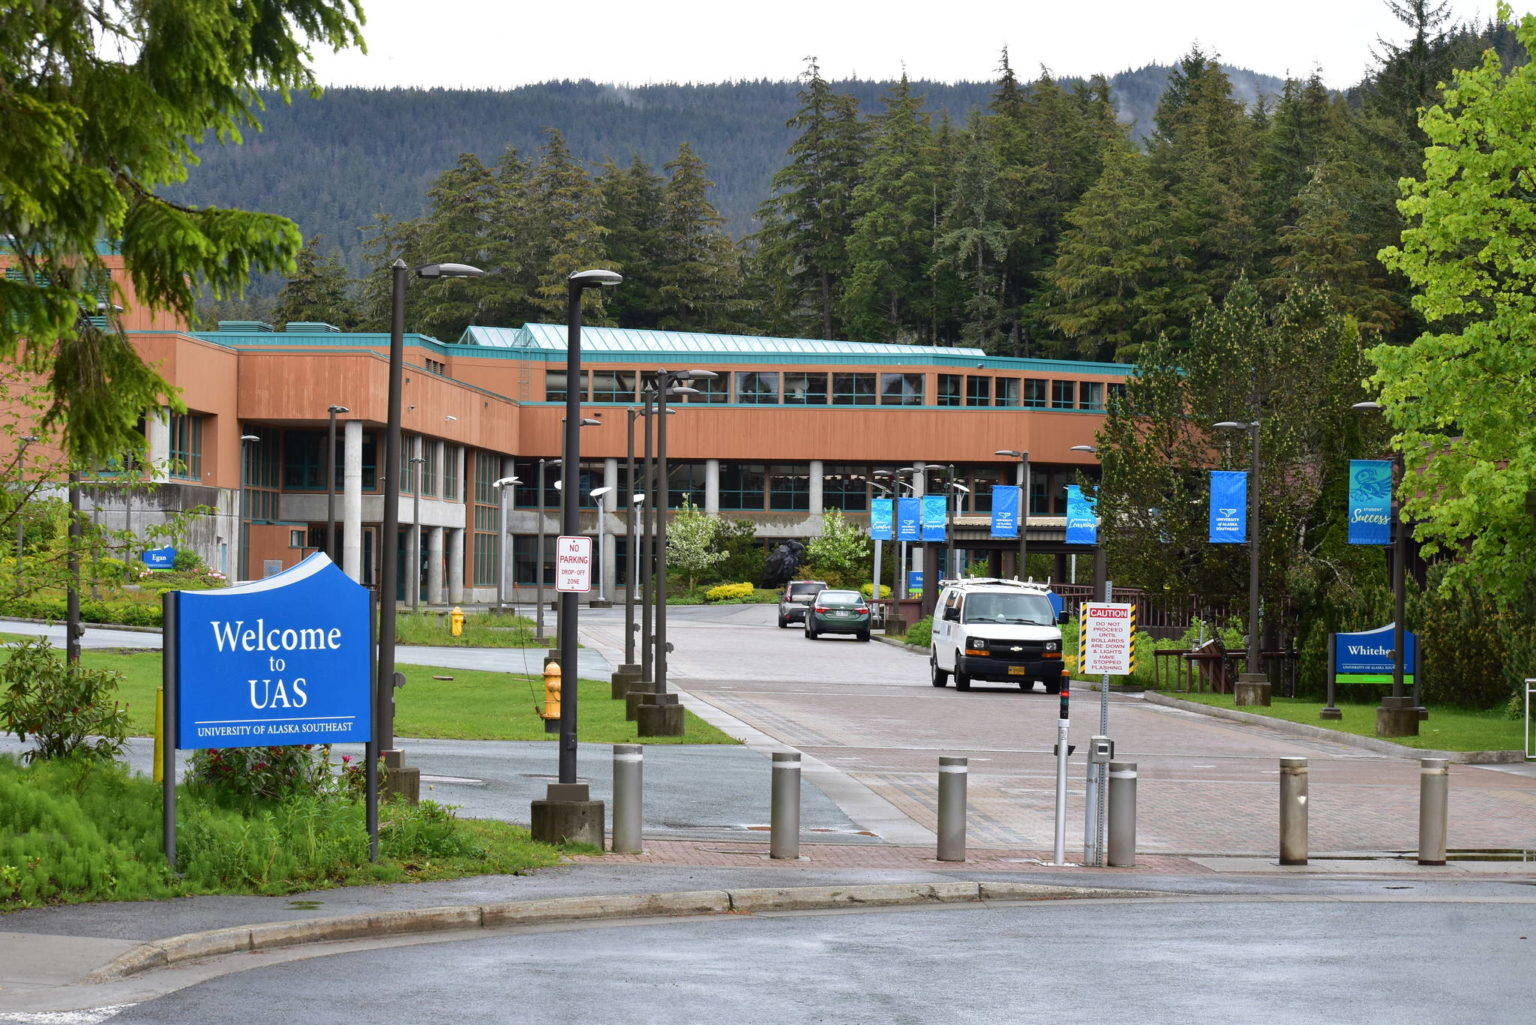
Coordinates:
(997, 581)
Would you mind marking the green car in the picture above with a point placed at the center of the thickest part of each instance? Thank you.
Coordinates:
(837, 612)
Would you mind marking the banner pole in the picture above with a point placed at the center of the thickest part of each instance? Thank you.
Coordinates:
(172, 725)
(371, 748)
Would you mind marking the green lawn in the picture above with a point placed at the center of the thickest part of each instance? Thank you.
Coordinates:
(481, 630)
(473, 705)
(1446, 729)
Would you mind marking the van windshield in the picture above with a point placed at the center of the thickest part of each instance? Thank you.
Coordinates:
(1027, 609)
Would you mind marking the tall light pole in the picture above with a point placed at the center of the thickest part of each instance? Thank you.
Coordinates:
(631, 541)
(398, 780)
(1398, 717)
(330, 481)
(501, 485)
(1253, 687)
(874, 591)
(651, 510)
(602, 535)
(538, 559)
(894, 476)
(416, 463)
(1024, 487)
(1100, 571)
(668, 383)
(931, 572)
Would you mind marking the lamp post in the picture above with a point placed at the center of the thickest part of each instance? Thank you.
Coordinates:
(930, 555)
(1397, 716)
(330, 482)
(631, 543)
(247, 461)
(1253, 687)
(896, 484)
(1099, 570)
(1024, 487)
(501, 485)
(416, 463)
(647, 542)
(538, 559)
(667, 384)
(398, 779)
(602, 535)
(874, 590)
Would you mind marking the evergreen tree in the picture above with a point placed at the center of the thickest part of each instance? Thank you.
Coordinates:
(632, 219)
(456, 228)
(974, 238)
(699, 276)
(568, 237)
(317, 290)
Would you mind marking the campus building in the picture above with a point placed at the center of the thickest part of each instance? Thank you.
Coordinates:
(788, 429)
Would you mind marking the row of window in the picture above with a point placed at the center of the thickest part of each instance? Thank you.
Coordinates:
(794, 388)
(294, 459)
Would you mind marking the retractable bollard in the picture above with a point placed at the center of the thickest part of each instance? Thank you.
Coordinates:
(953, 773)
(1434, 788)
(784, 841)
(628, 802)
(1293, 811)
(1122, 814)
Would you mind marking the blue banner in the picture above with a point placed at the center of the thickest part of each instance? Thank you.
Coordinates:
(1229, 507)
(285, 660)
(908, 520)
(1005, 510)
(880, 516)
(1082, 517)
(1370, 502)
(933, 517)
(159, 558)
(1367, 657)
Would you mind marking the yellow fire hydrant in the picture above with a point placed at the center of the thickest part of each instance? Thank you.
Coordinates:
(456, 622)
(551, 712)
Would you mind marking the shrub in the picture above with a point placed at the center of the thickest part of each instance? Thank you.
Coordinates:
(745, 557)
(243, 775)
(867, 590)
(63, 709)
(127, 613)
(842, 549)
(186, 560)
(729, 592)
(920, 634)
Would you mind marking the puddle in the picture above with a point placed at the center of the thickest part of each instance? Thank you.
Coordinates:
(304, 905)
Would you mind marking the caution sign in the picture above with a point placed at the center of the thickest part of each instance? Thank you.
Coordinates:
(1105, 639)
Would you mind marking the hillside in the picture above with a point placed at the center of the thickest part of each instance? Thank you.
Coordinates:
(335, 163)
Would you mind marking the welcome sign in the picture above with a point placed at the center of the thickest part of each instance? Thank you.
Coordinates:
(284, 660)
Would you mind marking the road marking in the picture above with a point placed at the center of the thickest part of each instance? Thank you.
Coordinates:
(89, 1016)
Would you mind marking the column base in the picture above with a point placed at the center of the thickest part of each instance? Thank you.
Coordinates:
(639, 690)
(1397, 717)
(399, 782)
(624, 678)
(1251, 689)
(1331, 713)
(661, 716)
(599, 603)
(567, 815)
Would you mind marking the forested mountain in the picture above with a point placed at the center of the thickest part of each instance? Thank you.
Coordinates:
(335, 163)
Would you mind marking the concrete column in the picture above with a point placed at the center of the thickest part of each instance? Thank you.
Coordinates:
(816, 481)
(456, 565)
(611, 502)
(712, 486)
(158, 430)
(435, 565)
(352, 499)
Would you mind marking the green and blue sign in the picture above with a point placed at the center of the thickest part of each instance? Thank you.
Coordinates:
(934, 517)
(1370, 502)
(284, 660)
(1005, 510)
(1082, 517)
(1229, 507)
(1367, 657)
(908, 520)
(880, 516)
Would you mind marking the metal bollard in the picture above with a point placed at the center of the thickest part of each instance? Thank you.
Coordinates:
(784, 839)
(628, 800)
(1434, 787)
(1293, 811)
(1122, 815)
(953, 773)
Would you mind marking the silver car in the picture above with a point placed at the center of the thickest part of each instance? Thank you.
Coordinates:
(797, 595)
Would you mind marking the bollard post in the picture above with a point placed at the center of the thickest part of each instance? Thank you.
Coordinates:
(953, 774)
(1293, 811)
(628, 802)
(1434, 788)
(784, 840)
(1122, 815)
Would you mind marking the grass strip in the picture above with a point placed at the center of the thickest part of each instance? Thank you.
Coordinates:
(1446, 729)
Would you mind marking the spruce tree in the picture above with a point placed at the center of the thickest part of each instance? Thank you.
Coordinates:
(566, 208)
(699, 277)
(318, 290)
(973, 241)
(632, 221)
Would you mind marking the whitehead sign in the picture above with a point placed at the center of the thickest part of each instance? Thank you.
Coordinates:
(284, 660)
(1367, 657)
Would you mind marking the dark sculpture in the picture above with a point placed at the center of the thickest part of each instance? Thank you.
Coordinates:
(782, 563)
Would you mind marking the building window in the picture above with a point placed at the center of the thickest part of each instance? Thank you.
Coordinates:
(711, 389)
(429, 466)
(789, 486)
(1091, 395)
(260, 472)
(451, 472)
(742, 486)
(613, 386)
(901, 389)
(978, 391)
(486, 518)
(853, 389)
(805, 389)
(845, 487)
(1034, 392)
(757, 388)
(526, 561)
(1063, 394)
(1006, 391)
(554, 386)
(687, 481)
(187, 446)
(1116, 392)
(436, 367)
(949, 389)
(408, 467)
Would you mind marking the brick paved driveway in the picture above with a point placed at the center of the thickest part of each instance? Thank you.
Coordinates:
(1207, 786)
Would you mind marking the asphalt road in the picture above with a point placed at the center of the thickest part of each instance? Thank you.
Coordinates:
(1328, 962)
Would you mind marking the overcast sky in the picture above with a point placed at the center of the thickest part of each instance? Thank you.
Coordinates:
(503, 43)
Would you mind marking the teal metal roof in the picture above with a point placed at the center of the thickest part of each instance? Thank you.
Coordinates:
(551, 338)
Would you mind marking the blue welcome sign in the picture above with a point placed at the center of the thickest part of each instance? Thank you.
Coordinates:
(933, 517)
(159, 558)
(1005, 510)
(1370, 502)
(908, 520)
(1367, 657)
(880, 516)
(1229, 507)
(283, 660)
(1082, 517)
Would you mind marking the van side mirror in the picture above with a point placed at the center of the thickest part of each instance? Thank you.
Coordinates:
(1063, 617)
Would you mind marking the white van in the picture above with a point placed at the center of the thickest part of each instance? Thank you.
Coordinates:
(990, 629)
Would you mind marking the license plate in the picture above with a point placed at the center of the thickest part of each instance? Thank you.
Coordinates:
(1016, 671)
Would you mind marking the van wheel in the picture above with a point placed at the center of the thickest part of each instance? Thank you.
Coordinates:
(938, 676)
(962, 681)
(1053, 686)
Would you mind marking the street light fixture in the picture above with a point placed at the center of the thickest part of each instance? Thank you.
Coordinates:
(501, 485)
(330, 482)
(1024, 490)
(602, 536)
(1100, 572)
(1253, 687)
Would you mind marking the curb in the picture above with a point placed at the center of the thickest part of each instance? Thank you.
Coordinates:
(895, 643)
(1300, 729)
(84, 624)
(271, 935)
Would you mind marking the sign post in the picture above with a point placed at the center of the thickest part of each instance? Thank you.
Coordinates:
(573, 564)
(1106, 644)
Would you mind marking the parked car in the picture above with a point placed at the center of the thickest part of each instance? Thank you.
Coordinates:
(797, 595)
(990, 629)
(837, 612)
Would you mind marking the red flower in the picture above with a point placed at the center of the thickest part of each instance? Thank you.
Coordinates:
(346, 759)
